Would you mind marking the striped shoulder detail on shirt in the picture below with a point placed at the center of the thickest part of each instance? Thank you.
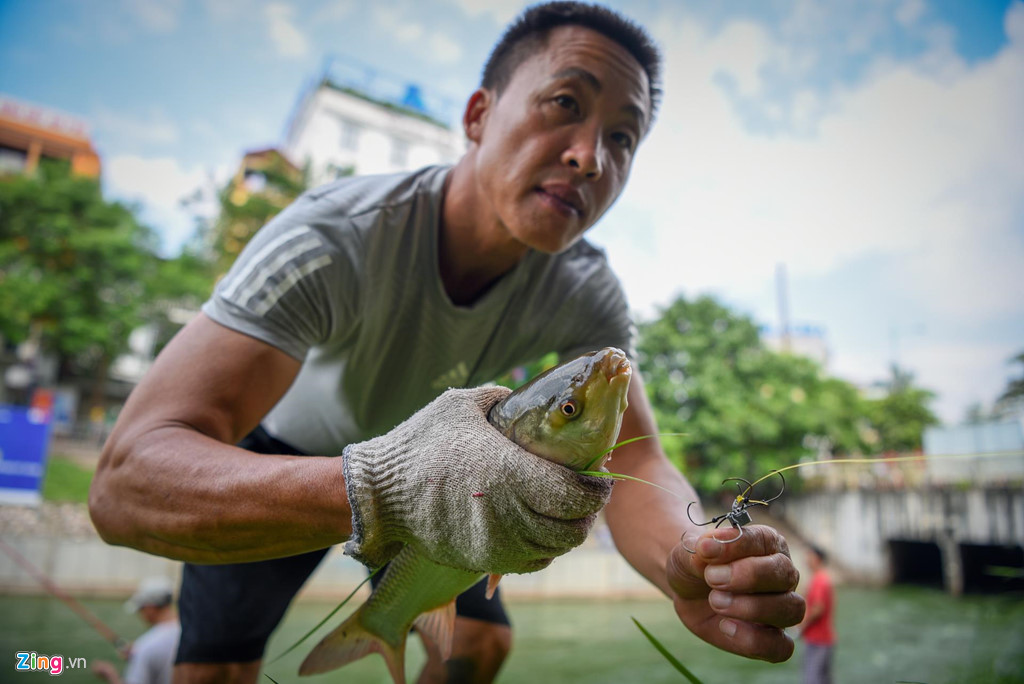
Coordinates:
(276, 268)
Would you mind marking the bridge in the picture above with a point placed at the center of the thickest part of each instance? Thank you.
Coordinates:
(964, 538)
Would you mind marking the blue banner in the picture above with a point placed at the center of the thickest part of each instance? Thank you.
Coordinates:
(24, 442)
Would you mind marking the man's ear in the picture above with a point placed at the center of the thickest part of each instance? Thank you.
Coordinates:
(475, 116)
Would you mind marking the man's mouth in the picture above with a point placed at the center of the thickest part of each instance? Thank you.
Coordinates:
(565, 199)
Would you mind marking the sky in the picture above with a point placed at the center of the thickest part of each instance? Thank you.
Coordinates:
(874, 148)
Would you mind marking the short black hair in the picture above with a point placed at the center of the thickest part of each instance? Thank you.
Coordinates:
(531, 29)
(819, 552)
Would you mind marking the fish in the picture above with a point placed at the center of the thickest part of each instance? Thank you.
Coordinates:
(571, 415)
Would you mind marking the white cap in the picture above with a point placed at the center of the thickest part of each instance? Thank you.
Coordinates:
(152, 591)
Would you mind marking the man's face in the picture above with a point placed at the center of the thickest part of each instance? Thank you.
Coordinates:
(556, 147)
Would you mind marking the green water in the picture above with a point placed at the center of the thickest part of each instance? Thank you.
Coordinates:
(910, 634)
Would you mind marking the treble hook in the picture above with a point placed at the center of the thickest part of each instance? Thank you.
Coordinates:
(737, 516)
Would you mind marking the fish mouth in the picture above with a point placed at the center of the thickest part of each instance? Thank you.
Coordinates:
(615, 364)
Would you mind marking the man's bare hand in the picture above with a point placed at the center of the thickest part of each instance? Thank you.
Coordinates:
(738, 597)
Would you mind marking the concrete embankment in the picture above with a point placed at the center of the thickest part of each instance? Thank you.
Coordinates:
(60, 541)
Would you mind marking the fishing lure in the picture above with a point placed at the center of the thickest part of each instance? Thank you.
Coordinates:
(738, 515)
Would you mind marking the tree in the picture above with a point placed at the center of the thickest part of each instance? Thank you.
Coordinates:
(1014, 392)
(744, 409)
(902, 415)
(72, 266)
(265, 184)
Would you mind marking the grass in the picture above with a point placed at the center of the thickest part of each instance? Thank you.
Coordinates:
(65, 480)
(885, 636)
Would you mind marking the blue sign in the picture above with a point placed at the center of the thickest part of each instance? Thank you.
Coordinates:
(24, 441)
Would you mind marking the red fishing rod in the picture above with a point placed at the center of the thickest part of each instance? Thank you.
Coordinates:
(105, 631)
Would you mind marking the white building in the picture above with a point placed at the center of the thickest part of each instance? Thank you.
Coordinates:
(380, 125)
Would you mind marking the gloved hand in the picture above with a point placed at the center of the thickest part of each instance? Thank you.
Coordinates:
(447, 482)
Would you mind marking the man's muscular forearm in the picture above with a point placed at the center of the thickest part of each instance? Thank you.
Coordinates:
(175, 492)
(170, 483)
(647, 522)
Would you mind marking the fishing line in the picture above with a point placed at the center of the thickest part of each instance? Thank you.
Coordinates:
(105, 631)
(885, 459)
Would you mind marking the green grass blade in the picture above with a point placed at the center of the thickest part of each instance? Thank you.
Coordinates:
(620, 476)
(668, 656)
(324, 621)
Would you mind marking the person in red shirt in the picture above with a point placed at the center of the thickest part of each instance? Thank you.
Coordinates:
(816, 629)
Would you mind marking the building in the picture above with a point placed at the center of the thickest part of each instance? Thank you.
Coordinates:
(354, 119)
(29, 133)
(803, 339)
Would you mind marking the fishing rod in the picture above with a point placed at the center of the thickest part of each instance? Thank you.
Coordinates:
(102, 628)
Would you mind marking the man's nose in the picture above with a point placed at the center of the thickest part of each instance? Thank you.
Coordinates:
(584, 155)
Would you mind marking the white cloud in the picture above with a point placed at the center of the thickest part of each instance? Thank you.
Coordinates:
(121, 129)
(435, 45)
(224, 10)
(443, 49)
(334, 10)
(921, 162)
(500, 11)
(287, 39)
(158, 16)
(158, 185)
(906, 163)
(391, 20)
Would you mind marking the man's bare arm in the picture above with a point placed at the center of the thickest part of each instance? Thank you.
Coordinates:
(647, 522)
(171, 483)
(738, 597)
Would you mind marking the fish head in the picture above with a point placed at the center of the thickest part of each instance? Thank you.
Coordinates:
(572, 413)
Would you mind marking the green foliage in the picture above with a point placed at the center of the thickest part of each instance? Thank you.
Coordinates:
(1015, 387)
(66, 480)
(901, 416)
(72, 266)
(744, 409)
(242, 213)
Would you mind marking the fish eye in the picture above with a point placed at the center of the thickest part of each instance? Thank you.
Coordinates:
(569, 408)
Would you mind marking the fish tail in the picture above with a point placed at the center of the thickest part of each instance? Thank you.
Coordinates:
(351, 641)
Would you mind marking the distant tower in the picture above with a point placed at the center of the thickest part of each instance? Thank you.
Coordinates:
(782, 292)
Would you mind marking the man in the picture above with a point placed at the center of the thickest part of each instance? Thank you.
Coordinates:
(151, 657)
(816, 629)
(362, 302)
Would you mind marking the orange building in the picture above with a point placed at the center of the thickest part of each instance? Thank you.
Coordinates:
(29, 133)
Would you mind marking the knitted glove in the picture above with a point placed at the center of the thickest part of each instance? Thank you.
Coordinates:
(448, 483)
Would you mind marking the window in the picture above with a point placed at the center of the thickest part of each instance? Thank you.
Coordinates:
(350, 132)
(399, 152)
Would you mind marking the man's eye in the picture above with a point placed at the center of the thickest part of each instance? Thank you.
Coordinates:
(568, 102)
(623, 140)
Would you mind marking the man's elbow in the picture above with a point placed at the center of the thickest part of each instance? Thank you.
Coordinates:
(103, 510)
(108, 507)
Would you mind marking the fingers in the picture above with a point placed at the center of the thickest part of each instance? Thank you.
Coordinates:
(484, 397)
(738, 596)
(754, 575)
(555, 491)
(756, 540)
(751, 640)
(776, 610)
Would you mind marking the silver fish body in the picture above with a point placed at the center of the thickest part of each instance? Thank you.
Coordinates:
(569, 415)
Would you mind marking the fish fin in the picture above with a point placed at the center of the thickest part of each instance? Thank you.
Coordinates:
(437, 628)
(492, 584)
(351, 641)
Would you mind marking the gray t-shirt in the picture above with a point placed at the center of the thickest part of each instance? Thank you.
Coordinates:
(152, 659)
(347, 281)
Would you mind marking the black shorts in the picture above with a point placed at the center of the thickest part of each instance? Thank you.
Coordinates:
(229, 611)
